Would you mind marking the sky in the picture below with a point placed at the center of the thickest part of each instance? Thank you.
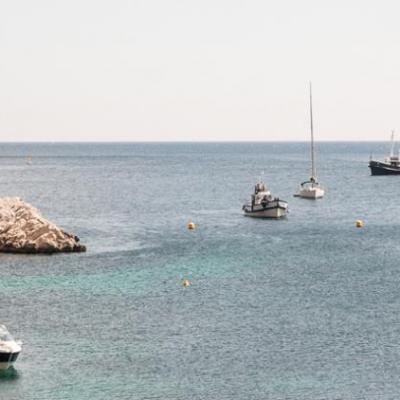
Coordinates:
(209, 70)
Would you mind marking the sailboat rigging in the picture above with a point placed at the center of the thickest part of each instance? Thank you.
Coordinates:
(311, 189)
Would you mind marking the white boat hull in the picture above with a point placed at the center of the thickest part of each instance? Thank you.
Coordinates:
(312, 193)
(276, 209)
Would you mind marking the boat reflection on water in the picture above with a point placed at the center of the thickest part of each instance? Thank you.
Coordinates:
(9, 374)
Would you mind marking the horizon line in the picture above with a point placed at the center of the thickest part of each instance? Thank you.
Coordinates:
(184, 141)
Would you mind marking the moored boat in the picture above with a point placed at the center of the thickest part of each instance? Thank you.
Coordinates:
(9, 349)
(311, 189)
(263, 205)
(390, 166)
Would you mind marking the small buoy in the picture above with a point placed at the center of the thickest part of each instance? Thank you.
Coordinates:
(186, 283)
(359, 223)
(191, 226)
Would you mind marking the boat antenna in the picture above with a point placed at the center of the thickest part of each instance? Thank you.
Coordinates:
(392, 144)
(313, 172)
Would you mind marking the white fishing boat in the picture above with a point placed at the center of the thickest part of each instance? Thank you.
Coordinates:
(9, 349)
(311, 189)
(263, 205)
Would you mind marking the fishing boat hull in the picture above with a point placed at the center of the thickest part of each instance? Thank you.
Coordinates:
(380, 168)
(274, 209)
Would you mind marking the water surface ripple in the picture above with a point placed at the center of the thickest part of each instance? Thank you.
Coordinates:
(304, 308)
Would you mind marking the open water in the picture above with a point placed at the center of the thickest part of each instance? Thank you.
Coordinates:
(302, 308)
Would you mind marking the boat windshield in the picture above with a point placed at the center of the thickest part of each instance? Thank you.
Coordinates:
(4, 334)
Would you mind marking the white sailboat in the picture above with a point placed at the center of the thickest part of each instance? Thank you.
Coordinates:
(311, 189)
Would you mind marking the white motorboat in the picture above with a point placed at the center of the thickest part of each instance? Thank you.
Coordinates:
(311, 189)
(9, 349)
(263, 205)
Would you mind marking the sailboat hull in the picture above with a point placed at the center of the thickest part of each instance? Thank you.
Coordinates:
(312, 193)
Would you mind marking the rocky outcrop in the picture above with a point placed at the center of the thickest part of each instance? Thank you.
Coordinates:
(24, 230)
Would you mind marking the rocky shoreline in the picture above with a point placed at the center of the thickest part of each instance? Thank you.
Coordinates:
(24, 230)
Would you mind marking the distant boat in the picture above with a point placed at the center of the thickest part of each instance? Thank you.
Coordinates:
(263, 205)
(311, 189)
(9, 348)
(391, 165)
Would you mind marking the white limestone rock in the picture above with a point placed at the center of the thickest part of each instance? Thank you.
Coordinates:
(24, 230)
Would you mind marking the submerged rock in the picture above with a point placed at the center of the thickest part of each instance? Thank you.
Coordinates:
(24, 230)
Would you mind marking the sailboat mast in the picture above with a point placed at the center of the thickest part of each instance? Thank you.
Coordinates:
(313, 172)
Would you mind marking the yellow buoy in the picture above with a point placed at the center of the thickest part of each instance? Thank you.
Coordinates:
(186, 283)
(191, 226)
(359, 223)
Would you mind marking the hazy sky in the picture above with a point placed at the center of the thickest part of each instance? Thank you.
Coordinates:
(198, 70)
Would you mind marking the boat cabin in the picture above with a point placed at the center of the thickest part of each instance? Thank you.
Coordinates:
(260, 187)
(312, 182)
(393, 161)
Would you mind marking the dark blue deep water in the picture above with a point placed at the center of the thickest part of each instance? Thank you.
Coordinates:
(302, 308)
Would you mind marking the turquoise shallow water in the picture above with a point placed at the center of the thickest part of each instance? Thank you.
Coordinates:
(303, 308)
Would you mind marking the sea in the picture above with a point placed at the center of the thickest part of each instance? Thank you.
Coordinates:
(305, 308)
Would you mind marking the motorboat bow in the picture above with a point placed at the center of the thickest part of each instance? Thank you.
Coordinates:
(9, 349)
